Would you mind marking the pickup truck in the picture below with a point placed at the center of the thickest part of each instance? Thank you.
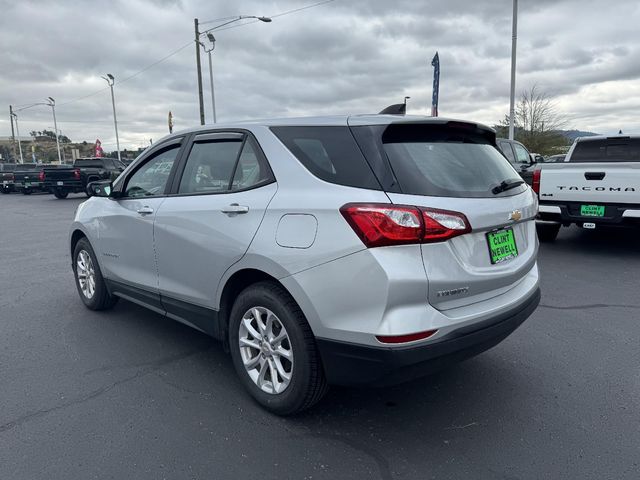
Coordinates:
(597, 184)
(28, 178)
(74, 179)
(6, 177)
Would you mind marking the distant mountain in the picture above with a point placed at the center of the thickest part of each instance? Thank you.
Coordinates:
(571, 135)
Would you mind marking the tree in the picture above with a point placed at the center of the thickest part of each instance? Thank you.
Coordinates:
(537, 122)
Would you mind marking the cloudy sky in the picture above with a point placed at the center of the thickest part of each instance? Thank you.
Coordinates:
(343, 56)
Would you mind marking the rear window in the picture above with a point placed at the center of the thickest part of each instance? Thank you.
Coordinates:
(89, 163)
(330, 153)
(607, 150)
(444, 161)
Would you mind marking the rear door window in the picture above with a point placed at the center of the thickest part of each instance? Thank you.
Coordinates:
(329, 153)
(508, 151)
(522, 156)
(607, 150)
(438, 160)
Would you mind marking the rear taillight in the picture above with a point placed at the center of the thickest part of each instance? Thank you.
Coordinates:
(380, 225)
(41, 176)
(535, 183)
(76, 173)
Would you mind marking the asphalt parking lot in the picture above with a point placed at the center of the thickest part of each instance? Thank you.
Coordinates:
(129, 394)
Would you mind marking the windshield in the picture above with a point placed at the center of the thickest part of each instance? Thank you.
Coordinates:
(446, 162)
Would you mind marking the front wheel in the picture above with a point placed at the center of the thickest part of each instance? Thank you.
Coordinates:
(547, 232)
(61, 194)
(274, 350)
(89, 281)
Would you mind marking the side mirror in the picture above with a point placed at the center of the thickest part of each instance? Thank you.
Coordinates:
(100, 189)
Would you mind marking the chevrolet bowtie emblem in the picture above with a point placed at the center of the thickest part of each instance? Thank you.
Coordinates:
(515, 215)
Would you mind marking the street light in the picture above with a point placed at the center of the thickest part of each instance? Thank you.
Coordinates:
(15, 116)
(110, 80)
(52, 104)
(212, 39)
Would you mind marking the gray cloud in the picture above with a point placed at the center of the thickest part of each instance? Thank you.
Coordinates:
(342, 57)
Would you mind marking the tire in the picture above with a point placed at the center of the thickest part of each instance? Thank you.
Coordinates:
(26, 191)
(61, 194)
(547, 232)
(307, 383)
(96, 298)
(5, 191)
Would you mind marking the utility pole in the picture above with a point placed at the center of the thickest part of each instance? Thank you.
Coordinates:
(514, 41)
(13, 135)
(18, 132)
(199, 68)
(52, 104)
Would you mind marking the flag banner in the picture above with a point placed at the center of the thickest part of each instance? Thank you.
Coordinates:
(99, 152)
(435, 63)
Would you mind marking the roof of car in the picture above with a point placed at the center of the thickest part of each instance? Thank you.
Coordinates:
(332, 120)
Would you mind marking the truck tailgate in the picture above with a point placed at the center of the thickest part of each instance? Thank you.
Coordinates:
(605, 182)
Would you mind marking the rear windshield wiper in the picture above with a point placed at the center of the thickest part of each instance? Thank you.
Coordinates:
(506, 185)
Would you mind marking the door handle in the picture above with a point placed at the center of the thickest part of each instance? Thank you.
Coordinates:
(146, 210)
(235, 208)
(594, 175)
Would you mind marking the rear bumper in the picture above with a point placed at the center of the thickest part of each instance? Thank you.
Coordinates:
(353, 364)
(569, 212)
(66, 185)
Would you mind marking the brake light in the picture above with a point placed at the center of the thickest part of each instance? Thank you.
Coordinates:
(535, 183)
(76, 173)
(379, 225)
(41, 176)
(412, 337)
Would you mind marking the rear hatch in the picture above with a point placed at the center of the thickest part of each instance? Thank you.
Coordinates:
(455, 167)
(602, 170)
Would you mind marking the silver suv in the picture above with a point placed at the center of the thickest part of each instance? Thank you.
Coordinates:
(337, 250)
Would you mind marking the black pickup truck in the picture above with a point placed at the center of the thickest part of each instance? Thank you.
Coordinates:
(74, 178)
(6, 177)
(28, 178)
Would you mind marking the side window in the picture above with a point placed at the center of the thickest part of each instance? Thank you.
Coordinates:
(251, 169)
(506, 149)
(151, 178)
(521, 154)
(210, 166)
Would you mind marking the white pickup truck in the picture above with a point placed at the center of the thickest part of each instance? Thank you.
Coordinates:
(598, 183)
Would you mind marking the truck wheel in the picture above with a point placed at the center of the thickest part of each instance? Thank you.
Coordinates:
(26, 191)
(61, 194)
(89, 281)
(274, 351)
(547, 232)
(6, 190)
